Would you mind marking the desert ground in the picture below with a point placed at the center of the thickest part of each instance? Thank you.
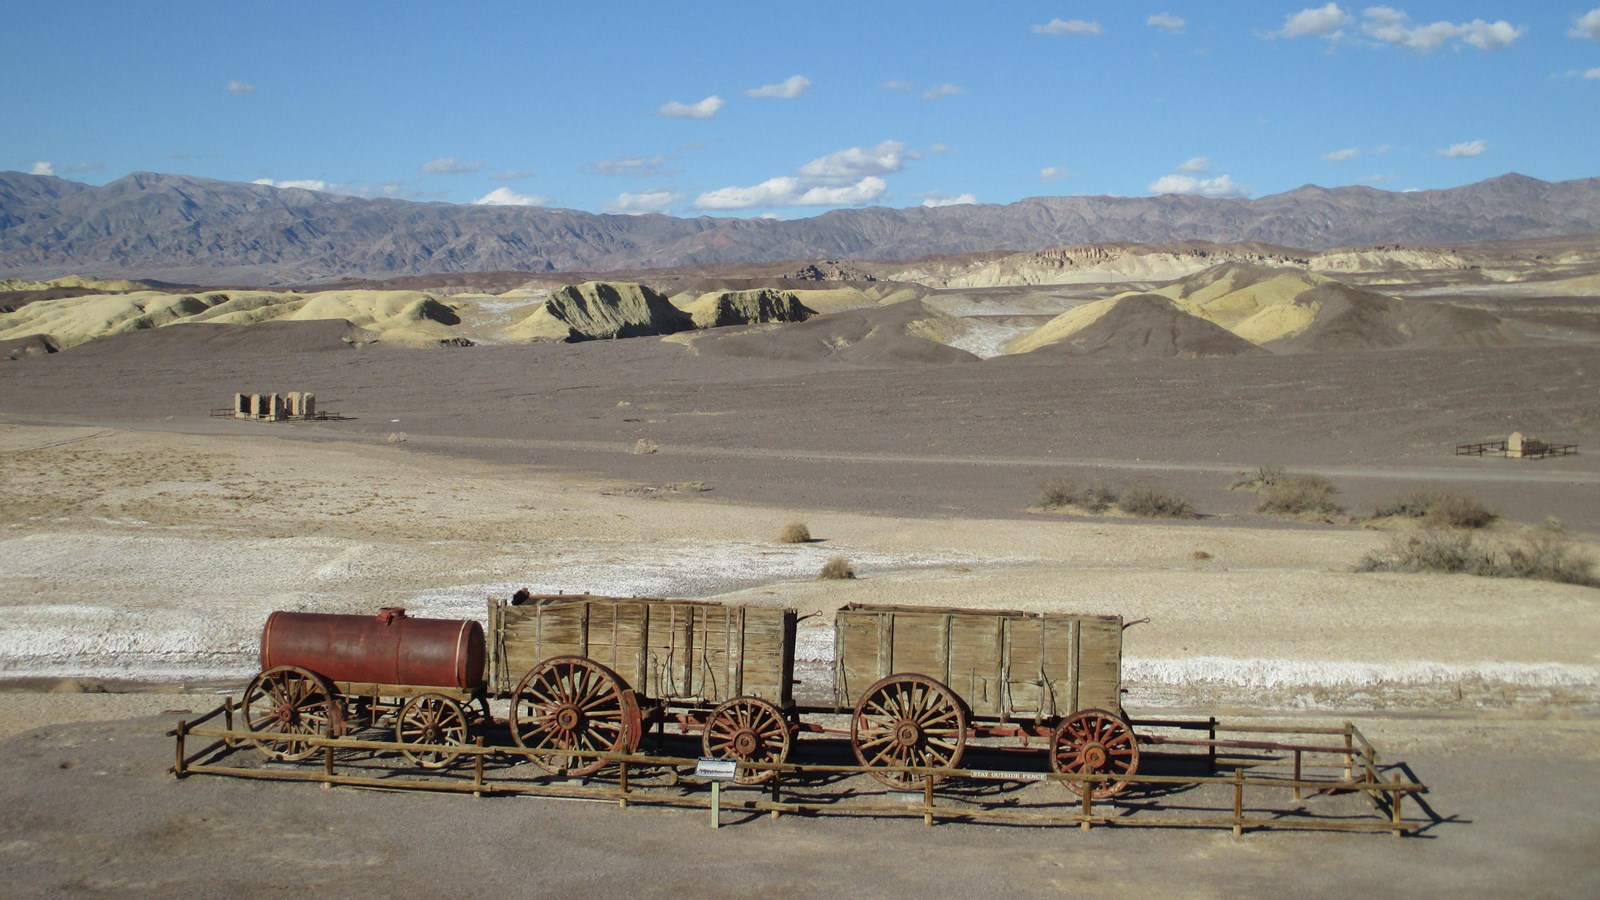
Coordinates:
(144, 541)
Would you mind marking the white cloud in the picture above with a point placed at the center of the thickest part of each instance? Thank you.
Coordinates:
(1167, 22)
(943, 90)
(1321, 21)
(1341, 155)
(901, 86)
(705, 109)
(933, 201)
(1578, 73)
(507, 197)
(1393, 26)
(1592, 73)
(512, 175)
(1220, 186)
(848, 177)
(1067, 26)
(941, 148)
(451, 165)
(240, 87)
(659, 200)
(864, 191)
(42, 168)
(309, 184)
(1051, 173)
(1195, 165)
(1465, 149)
(772, 192)
(851, 165)
(1586, 25)
(787, 89)
(630, 165)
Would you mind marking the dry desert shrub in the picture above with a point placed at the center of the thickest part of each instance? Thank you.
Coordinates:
(1441, 509)
(644, 448)
(795, 533)
(1263, 478)
(397, 437)
(1543, 555)
(837, 569)
(1156, 503)
(1200, 555)
(1092, 496)
(1293, 495)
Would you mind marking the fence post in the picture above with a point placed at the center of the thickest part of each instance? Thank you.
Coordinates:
(622, 784)
(1297, 773)
(777, 774)
(178, 767)
(1211, 748)
(1394, 808)
(927, 800)
(1238, 802)
(327, 767)
(1088, 802)
(477, 768)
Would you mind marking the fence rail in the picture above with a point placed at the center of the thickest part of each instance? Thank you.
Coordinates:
(1215, 800)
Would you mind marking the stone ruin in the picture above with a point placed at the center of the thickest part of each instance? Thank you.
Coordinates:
(275, 407)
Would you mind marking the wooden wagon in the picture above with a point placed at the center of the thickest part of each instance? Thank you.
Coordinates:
(920, 681)
(589, 674)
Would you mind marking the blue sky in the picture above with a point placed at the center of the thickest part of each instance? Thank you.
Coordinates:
(791, 109)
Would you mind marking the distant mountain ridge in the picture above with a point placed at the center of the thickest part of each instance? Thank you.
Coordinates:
(184, 228)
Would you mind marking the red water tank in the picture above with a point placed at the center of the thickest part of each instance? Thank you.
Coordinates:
(389, 648)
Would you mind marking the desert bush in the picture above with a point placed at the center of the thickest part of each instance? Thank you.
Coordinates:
(836, 569)
(397, 437)
(1094, 496)
(1264, 477)
(1547, 556)
(795, 533)
(1441, 509)
(1153, 502)
(1199, 555)
(643, 447)
(1292, 495)
(1544, 556)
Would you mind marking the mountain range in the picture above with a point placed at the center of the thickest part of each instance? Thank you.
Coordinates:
(183, 228)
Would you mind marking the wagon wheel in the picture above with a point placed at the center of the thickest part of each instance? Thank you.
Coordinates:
(1095, 742)
(748, 729)
(290, 700)
(908, 720)
(573, 703)
(431, 719)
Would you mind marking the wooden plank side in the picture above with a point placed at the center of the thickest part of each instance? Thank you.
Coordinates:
(975, 664)
(919, 644)
(1004, 664)
(861, 646)
(766, 656)
(1100, 664)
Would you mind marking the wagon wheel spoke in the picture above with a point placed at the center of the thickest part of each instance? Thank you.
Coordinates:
(434, 720)
(289, 700)
(572, 703)
(748, 729)
(908, 720)
(1095, 742)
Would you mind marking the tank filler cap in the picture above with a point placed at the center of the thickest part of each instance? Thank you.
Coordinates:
(388, 614)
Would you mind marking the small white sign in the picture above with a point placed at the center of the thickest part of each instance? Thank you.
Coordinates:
(716, 769)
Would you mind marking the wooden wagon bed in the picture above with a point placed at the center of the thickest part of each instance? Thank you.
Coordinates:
(686, 652)
(1004, 664)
